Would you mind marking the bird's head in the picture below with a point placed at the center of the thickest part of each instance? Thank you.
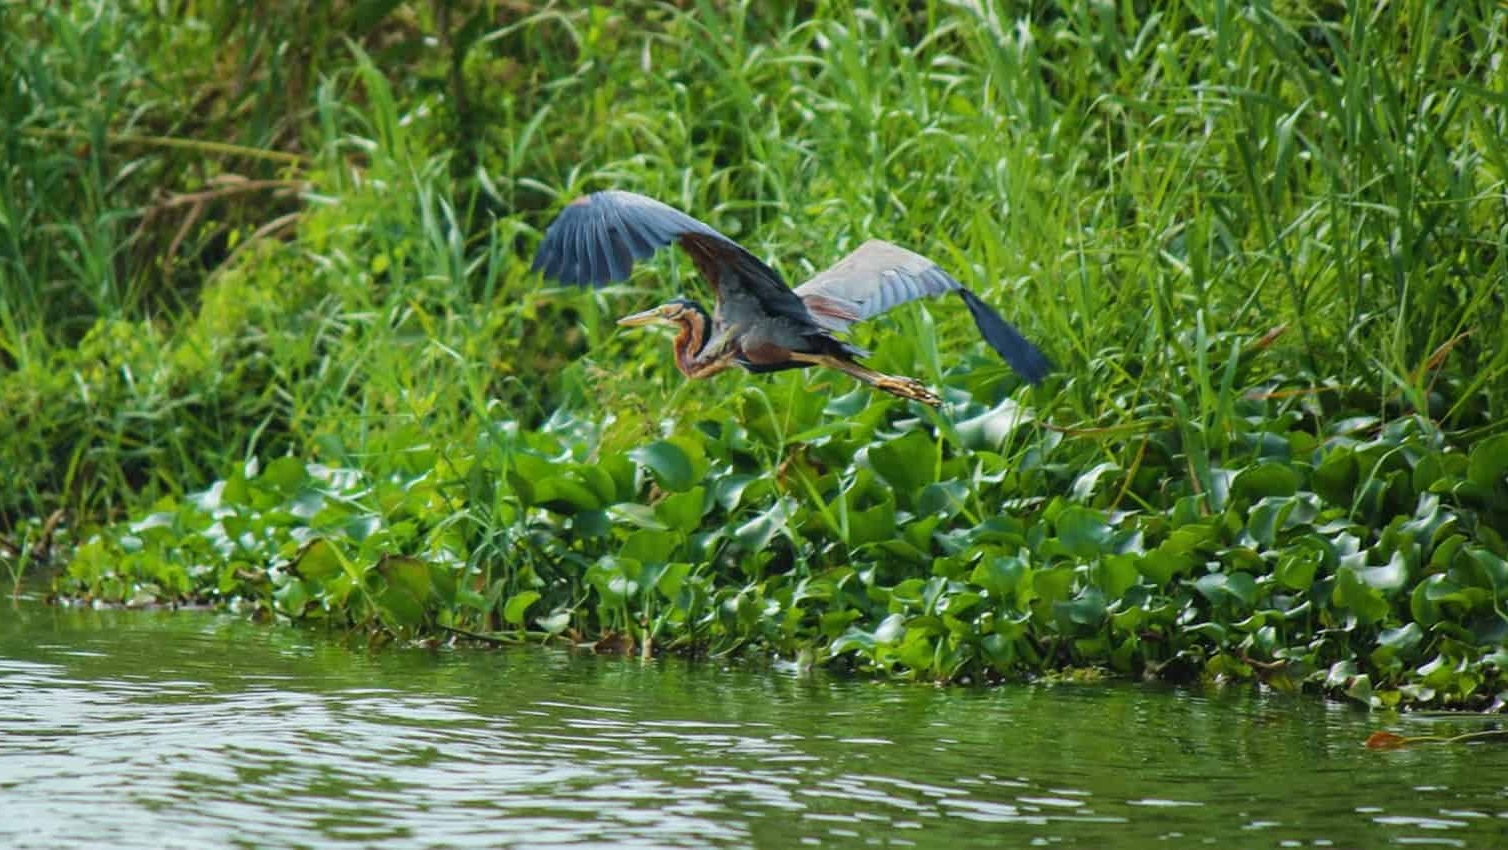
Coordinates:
(680, 312)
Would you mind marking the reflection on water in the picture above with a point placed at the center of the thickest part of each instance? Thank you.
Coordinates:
(193, 730)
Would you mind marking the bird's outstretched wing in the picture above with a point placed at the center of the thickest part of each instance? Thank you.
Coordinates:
(597, 238)
(879, 276)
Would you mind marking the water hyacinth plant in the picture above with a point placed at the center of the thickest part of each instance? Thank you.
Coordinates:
(269, 339)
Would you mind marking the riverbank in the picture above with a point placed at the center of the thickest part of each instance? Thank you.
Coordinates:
(271, 341)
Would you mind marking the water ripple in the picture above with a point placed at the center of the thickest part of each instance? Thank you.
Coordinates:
(198, 731)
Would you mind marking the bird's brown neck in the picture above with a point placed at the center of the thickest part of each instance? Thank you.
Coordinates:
(689, 342)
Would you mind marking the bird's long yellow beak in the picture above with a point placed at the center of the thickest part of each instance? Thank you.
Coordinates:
(648, 317)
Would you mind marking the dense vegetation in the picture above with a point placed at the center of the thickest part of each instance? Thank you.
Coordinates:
(268, 336)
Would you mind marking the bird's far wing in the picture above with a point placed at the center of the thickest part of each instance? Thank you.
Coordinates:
(597, 238)
(876, 277)
(879, 276)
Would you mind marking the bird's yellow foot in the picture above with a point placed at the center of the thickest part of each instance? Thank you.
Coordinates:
(908, 388)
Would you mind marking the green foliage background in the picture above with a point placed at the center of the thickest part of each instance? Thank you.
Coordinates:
(267, 334)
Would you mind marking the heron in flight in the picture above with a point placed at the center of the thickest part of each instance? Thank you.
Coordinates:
(759, 322)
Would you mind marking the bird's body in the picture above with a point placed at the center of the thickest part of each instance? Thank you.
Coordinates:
(760, 323)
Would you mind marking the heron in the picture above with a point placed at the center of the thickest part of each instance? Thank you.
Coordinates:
(759, 322)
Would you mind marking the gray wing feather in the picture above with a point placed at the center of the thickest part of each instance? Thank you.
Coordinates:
(879, 276)
(876, 277)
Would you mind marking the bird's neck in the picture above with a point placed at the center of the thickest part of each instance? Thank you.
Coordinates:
(690, 341)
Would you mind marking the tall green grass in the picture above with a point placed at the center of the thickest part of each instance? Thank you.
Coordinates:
(234, 231)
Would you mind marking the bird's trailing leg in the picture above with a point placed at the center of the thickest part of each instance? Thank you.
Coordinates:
(898, 385)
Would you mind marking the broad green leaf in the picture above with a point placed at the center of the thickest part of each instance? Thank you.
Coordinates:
(1052, 585)
(1429, 595)
(524, 471)
(591, 524)
(1083, 531)
(1003, 577)
(1087, 610)
(906, 462)
(1388, 578)
(756, 534)
(400, 609)
(1356, 595)
(729, 489)
(610, 578)
(1297, 566)
(1335, 478)
(943, 498)
(891, 629)
(669, 462)
(599, 480)
(564, 494)
(1236, 587)
(518, 606)
(411, 575)
(292, 598)
(636, 515)
(1085, 485)
(1265, 480)
(875, 525)
(286, 475)
(1493, 568)
(318, 560)
(1487, 465)
(682, 511)
(1401, 639)
(1115, 574)
(1170, 559)
(990, 429)
(672, 580)
(648, 546)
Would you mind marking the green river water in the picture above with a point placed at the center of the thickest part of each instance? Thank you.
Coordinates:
(188, 729)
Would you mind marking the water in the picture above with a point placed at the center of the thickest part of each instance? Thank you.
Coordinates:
(196, 730)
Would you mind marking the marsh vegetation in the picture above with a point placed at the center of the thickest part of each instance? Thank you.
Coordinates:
(268, 338)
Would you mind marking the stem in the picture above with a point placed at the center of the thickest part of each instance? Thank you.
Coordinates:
(224, 148)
